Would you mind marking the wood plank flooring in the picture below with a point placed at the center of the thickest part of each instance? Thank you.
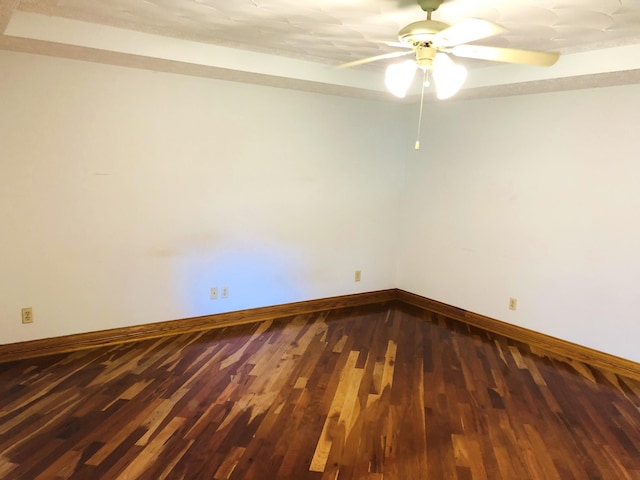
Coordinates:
(371, 393)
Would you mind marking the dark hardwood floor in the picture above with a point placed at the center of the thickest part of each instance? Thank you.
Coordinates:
(375, 392)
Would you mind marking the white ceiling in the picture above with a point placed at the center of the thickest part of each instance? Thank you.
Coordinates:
(297, 43)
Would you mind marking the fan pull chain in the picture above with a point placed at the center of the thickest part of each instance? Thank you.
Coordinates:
(424, 81)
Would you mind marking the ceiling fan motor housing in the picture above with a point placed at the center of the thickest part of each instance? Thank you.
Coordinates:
(421, 32)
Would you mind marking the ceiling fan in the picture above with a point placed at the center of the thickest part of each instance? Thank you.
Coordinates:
(431, 42)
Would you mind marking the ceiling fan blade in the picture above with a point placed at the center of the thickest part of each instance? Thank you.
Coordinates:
(395, 44)
(509, 55)
(465, 31)
(374, 59)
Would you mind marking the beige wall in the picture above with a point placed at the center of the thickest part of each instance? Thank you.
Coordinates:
(125, 195)
(534, 197)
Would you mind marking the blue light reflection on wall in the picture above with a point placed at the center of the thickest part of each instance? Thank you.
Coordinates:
(256, 275)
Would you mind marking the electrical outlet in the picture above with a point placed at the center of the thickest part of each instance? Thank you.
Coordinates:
(225, 292)
(213, 293)
(27, 315)
(358, 276)
(513, 303)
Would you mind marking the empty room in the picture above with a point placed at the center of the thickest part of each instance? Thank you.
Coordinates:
(364, 239)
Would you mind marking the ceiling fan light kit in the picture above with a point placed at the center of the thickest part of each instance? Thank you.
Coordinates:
(447, 76)
(431, 41)
(399, 77)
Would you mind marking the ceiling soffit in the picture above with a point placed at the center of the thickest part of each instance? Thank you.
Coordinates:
(296, 44)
